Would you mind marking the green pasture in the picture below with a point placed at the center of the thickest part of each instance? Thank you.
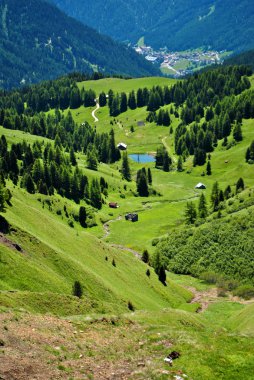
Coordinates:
(124, 85)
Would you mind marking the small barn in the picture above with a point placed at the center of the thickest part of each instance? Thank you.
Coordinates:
(131, 217)
(113, 204)
(141, 123)
(122, 146)
(200, 185)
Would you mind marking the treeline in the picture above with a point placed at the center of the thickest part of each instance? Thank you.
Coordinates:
(217, 202)
(46, 168)
(222, 118)
(59, 93)
(63, 129)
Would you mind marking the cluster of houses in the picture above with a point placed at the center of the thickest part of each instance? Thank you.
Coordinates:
(168, 59)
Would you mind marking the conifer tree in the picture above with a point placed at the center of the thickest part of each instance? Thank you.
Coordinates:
(82, 216)
(180, 164)
(132, 101)
(215, 197)
(91, 159)
(166, 119)
(190, 213)
(115, 107)
(29, 183)
(159, 158)
(142, 186)
(202, 207)
(166, 161)
(149, 176)
(237, 132)
(162, 275)
(123, 102)
(73, 157)
(145, 256)
(126, 173)
(140, 99)
(227, 192)
(102, 99)
(95, 194)
(239, 185)
(77, 289)
(208, 168)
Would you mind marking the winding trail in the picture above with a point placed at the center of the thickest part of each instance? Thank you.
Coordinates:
(163, 140)
(209, 296)
(106, 228)
(204, 298)
(95, 110)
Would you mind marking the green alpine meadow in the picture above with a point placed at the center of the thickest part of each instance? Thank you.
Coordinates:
(126, 204)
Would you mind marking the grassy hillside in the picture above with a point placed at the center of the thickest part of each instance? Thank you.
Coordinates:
(50, 263)
(123, 85)
(47, 250)
(242, 321)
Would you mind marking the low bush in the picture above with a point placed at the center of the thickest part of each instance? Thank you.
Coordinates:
(244, 291)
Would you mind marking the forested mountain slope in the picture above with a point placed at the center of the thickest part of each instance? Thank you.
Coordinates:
(178, 25)
(245, 58)
(38, 42)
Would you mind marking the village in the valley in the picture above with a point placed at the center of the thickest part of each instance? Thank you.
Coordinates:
(178, 64)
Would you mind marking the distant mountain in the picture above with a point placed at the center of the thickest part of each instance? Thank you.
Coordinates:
(38, 41)
(245, 58)
(217, 24)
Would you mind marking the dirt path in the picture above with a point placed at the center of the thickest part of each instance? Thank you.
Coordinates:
(95, 110)
(123, 248)
(106, 228)
(8, 243)
(163, 140)
(204, 298)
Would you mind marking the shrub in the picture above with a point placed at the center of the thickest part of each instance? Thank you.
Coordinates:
(221, 292)
(4, 225)
(244, 291)
(145, 256)
(155, 241)
(77, 290)
(71, 223)
(209, 277)
(131, 306)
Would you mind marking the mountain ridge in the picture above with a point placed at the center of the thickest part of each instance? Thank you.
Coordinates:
(216, 24)
(38, 42)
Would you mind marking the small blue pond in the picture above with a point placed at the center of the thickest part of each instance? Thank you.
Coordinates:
(142, 158)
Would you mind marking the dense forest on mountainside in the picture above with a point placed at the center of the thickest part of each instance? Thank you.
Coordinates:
(38, 42)
(245, 58)
(178, 25)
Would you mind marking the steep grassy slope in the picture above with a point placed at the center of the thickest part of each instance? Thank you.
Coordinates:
(242, 321)
(177, 25)
(55, 255)
(40, 42)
